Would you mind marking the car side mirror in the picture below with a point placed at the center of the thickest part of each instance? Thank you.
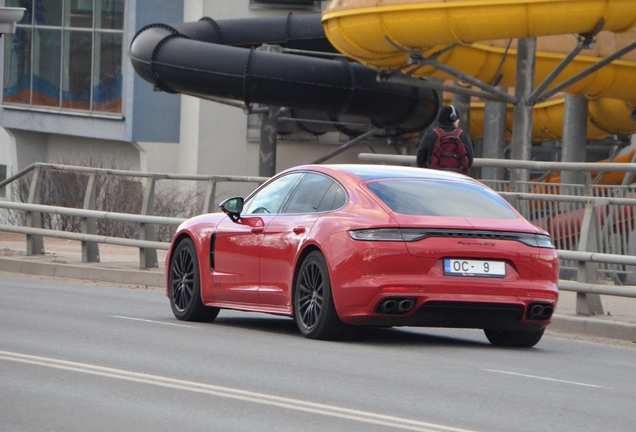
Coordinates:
(233, 207)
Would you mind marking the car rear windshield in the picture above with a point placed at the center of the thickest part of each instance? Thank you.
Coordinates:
(435, 198)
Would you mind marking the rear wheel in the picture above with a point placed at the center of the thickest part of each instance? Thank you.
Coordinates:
(185, 285)
(519, 339)
(314, 311)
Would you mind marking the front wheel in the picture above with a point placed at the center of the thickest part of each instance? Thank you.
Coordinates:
(517, 339)
(314, 311)
(185, 285)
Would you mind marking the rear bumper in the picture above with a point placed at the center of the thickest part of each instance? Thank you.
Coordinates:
(461, 314)
(365, 274)
(485, 304)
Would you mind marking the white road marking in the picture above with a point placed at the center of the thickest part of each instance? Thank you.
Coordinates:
(151, 321)
(231, 393)
(544, 378)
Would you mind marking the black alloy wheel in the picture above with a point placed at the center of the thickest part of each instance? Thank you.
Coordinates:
(314, 311)
(185, 285)
(517, 339)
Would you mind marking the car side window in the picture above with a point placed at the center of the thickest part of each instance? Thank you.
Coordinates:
(315, 193)
(271, 198)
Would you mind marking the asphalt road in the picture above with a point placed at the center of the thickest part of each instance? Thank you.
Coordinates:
(100, 358)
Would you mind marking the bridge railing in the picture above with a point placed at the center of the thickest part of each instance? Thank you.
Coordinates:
(88, 236)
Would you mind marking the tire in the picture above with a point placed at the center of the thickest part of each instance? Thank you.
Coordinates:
(185, 285)
(314, 311)
(517, 339)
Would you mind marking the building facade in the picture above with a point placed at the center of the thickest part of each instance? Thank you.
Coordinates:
(70, 94)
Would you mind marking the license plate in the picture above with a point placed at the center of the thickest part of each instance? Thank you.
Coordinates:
(462, 267)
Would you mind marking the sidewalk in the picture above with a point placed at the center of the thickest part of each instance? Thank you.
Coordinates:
(63, 258)
(120, 265)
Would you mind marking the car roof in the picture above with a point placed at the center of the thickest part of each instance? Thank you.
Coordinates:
(376, 172)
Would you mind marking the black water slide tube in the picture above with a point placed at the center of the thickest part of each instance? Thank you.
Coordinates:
(218, 59)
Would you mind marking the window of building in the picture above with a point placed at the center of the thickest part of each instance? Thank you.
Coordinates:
(66, 55)
(287, 4)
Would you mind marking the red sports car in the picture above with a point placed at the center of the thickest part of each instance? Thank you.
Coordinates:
(336, 246)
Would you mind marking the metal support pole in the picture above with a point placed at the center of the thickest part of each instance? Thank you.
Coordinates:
(574, 137)
(478, 151)
(471, 80)
(148, 257)
(90, 250)
(494, 142)
(462, 105)
(34, 243)
(268, 143)
(438, 84)
(348, 145)
(210, 195)
(521, 148)
(588, 304)
(585, 43)
(586, 72)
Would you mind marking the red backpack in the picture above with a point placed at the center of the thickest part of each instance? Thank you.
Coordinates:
(449, 152)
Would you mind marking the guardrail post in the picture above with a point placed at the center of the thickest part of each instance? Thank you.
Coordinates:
(148, 257)
(90, 250)
(210, 195)
(35, 243)
(587, 272)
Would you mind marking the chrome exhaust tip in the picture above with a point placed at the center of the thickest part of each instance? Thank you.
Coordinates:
(395, 306)
(405, 305)
(539, 311)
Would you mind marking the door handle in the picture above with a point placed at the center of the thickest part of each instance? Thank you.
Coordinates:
(299, 230)
(257, 230)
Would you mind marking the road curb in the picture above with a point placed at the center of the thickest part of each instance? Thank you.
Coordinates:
(592, 326)
(152, 277)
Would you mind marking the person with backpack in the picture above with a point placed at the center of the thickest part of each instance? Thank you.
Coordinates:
(446, 147)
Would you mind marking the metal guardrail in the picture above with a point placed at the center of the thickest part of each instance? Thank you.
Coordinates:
(509, 164)
(89, 237)
(124, 217)
(598, 201)
(127, 173)
(86, 237)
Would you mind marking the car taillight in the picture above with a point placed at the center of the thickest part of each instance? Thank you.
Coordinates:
(536, 240)
(415, 234)
(377, 234)
(389, 234)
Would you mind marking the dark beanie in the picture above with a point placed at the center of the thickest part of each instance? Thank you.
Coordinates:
(445, 115)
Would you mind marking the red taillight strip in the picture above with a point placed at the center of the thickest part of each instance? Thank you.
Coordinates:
(542, 294)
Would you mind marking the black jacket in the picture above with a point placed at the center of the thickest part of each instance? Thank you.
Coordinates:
(428, 142)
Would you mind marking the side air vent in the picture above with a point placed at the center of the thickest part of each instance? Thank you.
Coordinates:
(212, 245)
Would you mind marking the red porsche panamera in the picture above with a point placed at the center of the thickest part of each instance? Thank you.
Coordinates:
(334, 246)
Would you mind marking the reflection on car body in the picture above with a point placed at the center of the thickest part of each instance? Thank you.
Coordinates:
(336, 246)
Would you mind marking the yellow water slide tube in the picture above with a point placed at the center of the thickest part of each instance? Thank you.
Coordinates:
(381, 33)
